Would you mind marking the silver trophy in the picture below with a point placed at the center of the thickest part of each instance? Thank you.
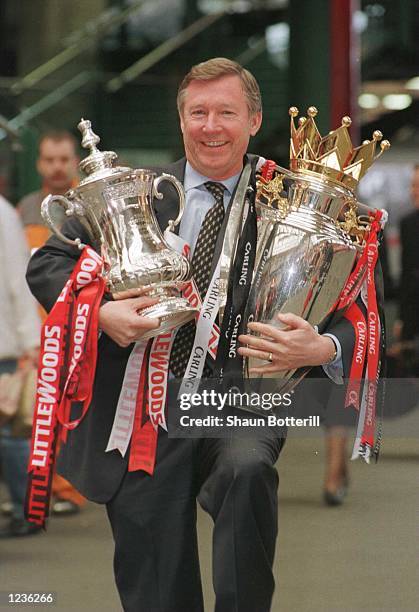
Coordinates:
(114, 204)
(310, 232)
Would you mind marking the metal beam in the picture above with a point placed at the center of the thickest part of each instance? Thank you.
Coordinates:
(162, 51)
(47, 101)
(73, 50)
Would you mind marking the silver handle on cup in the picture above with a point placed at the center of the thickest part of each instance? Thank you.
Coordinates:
(71, 208)
(179, 188)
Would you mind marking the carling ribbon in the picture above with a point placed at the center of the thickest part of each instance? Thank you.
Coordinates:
(357, 319)
(229, 363)
(364, 440)
(125, 410)
(67, 361)
(204, 326)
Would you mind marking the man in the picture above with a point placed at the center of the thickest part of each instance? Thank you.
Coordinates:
(153, 518)
(19, 340)
(57, 166)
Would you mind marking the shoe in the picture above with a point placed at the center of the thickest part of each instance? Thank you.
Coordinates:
(334, 498)
(64, 507)
(6, 508)
(19, 528)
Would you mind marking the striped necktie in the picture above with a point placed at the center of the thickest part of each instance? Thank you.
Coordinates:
(201, 266)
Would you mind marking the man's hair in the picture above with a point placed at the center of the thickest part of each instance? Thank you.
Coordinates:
(219, 67)
(59, 136)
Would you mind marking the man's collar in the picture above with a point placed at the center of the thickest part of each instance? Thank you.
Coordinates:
(195, 179)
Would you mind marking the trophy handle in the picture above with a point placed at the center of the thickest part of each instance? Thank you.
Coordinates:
(178, 186)
(71, 208)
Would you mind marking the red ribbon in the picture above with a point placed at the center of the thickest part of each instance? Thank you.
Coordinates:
(142, 454)
(365, 267)
(356, 317)
(63, 375)
(268, 169)
(367, 440)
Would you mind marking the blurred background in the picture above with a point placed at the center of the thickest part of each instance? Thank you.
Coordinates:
(119, 63)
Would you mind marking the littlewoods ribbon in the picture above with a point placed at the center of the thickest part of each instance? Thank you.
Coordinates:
(66, 369)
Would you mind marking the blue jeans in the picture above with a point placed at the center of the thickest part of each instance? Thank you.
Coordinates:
(14, 457)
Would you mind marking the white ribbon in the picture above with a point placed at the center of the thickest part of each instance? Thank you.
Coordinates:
(204, 328)
(125, 410)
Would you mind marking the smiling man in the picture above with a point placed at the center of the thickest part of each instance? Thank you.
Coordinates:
(217, 121)
(153, 517)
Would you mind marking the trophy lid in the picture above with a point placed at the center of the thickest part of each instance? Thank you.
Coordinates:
(99, 164)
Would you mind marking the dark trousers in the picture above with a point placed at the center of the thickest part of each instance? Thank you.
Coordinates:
(153, 521)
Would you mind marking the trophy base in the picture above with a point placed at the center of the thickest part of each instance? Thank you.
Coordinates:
(172, 312)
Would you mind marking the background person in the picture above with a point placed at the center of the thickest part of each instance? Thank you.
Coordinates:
(19, 340)
(405, 351)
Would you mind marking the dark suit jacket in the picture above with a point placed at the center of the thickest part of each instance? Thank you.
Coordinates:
(82, 459)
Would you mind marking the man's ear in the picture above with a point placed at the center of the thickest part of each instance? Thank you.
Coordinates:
(181, 122)
(255, 123)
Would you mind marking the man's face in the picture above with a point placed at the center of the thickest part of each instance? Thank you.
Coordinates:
(57, 164)
(216, 126)
(414, 188)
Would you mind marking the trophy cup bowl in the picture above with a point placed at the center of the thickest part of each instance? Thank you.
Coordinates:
(309, 237)
(114, 204)
(304, 259)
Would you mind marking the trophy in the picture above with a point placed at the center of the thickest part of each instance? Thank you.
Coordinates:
(310, 230)
(114, 204)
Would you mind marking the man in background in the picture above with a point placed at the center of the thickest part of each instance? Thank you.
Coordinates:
(409, 294)
(406, 329)
(57, 165)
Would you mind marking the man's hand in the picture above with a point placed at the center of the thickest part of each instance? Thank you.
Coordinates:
(121, 322)
(295, 346)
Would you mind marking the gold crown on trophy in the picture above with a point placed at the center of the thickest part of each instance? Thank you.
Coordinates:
(332, 156)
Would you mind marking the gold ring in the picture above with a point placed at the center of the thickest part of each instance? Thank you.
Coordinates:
(270, 356)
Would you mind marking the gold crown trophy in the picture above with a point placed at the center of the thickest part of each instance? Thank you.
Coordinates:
(311, 231)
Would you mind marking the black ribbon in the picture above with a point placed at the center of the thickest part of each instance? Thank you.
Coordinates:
(229, 364)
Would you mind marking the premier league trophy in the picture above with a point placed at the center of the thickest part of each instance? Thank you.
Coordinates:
(310, 230)
(114, 204)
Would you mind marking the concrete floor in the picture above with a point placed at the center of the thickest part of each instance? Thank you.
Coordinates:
(362, 556)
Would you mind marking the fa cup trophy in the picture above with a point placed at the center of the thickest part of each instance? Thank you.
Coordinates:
(114, 204)
(310, 231)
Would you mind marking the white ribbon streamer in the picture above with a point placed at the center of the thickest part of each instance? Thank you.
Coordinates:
(204, 328)
(125, 410)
